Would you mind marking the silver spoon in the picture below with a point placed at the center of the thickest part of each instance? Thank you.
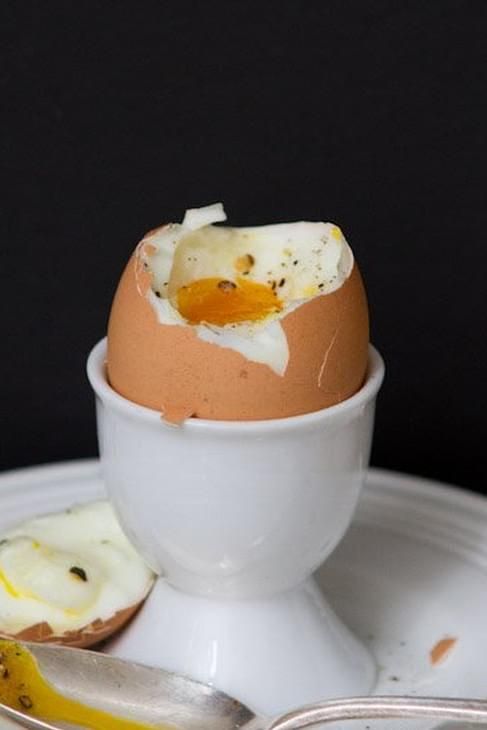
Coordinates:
(157, 697)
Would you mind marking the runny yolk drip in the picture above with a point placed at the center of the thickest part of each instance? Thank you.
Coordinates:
(22, 687)
(219, 301)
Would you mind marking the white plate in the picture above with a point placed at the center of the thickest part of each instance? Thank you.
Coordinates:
(411, 570)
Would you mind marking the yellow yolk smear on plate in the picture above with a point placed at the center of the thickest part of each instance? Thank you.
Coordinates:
(221, 301)
(23, 688)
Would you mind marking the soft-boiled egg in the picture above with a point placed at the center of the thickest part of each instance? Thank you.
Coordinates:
(70, 577)
(238, 323)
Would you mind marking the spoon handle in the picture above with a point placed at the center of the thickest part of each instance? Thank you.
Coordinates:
(373, 708)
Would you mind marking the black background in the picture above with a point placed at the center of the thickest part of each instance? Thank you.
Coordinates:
(369, 114)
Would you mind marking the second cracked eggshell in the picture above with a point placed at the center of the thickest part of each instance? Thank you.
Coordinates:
(170, 369)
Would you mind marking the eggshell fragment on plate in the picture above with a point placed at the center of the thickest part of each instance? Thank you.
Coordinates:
(70, 578)
(238, 323)
(441, 650)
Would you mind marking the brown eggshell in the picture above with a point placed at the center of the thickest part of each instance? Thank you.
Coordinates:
(81, 638)
(169, 369)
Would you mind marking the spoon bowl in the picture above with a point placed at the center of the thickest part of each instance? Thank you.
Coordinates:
(133, 691)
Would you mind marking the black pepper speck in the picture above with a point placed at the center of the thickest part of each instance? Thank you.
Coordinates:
(226, 285)
(79, 572)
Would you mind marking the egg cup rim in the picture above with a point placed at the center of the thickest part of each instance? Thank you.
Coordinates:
(96, 371)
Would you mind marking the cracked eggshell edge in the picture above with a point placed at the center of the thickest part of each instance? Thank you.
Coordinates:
(90, 635)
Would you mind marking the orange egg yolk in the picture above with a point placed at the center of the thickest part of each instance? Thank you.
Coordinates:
(220, 302)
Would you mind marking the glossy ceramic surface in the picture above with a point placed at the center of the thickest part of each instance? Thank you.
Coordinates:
(411, 570)
(234, 509)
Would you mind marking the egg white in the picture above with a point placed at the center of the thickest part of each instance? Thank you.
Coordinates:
(299, 260)
(68, 569)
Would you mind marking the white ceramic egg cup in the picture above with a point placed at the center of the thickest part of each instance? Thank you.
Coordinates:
(235, 517)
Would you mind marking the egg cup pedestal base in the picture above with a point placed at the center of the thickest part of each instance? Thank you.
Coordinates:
(272, 653)
(237, 516)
